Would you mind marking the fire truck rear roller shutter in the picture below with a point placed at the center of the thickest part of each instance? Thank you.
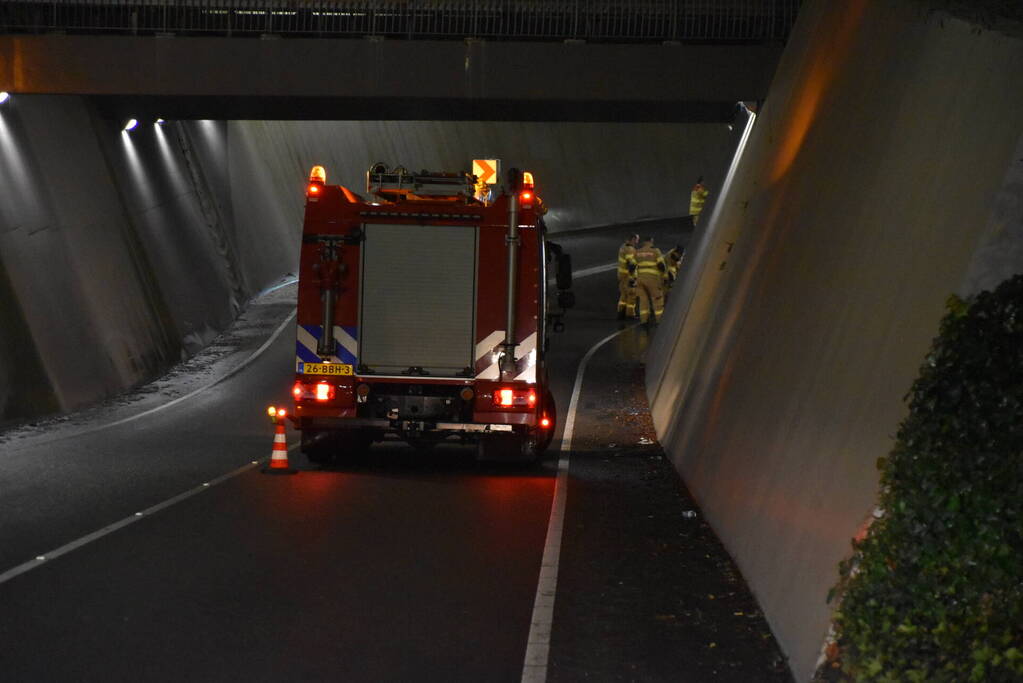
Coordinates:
(418, 299)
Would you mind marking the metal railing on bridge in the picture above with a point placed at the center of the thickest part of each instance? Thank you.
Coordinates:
(642, 21)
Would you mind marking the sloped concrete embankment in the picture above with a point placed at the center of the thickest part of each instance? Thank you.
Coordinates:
(118, 253)
(882, 175)
(121, 253)
(82, 219)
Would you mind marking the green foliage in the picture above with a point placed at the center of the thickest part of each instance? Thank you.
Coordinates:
(934, 592)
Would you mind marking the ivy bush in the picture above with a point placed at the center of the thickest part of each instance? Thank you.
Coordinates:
(934, 591)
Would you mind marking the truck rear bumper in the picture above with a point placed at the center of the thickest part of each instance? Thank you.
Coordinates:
(333, 423)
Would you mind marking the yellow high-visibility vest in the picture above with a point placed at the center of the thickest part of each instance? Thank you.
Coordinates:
(697, 199)
(647, 260)
(626, 255)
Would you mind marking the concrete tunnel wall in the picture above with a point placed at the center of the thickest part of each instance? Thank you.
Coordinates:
(883, 174)
(122, 253)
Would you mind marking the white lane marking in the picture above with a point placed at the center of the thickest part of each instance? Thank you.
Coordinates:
(593, 270)
(538, 643)
(39, 560)
(90, 430)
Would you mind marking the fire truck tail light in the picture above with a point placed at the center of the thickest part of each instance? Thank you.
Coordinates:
(545, 422)
(297, 390)
(314, 189)
(324, 391)
(515, 398)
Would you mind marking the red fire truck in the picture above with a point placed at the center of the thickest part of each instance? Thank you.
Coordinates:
(423, 315)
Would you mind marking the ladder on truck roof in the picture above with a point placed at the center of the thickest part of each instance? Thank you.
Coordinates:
(400, 183)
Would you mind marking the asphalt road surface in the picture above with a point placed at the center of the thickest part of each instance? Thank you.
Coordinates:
(177, 560)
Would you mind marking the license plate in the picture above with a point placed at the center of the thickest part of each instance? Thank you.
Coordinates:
(326, 369)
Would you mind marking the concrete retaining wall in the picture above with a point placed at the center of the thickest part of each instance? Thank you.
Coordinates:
(588, 173)
(121, 253)
(87, 300)
(882, 175)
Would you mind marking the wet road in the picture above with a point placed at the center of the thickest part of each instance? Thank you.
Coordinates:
(406, 567)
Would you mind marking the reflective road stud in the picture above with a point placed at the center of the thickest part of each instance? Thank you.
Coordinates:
(279, 455)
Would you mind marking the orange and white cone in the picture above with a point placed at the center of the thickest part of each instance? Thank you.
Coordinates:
(279, 455)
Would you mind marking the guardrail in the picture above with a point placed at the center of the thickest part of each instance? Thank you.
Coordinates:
(545, 20)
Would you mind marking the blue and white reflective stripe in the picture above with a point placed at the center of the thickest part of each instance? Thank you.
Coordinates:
(349, 348)
(345, 351)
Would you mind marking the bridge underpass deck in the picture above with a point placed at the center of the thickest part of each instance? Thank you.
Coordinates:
(350, 79)
(403, 567)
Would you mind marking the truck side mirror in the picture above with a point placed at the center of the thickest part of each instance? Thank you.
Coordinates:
(563, 273)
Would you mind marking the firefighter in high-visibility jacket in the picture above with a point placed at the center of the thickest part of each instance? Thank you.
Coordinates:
(650, 273)
(672, 261)
(627, 278)
(697, 198)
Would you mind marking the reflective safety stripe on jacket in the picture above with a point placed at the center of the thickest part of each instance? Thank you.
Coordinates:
(626, 255)
(647, 259)
(697, 199)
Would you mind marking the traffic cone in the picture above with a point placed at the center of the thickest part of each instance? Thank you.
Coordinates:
(279, 455)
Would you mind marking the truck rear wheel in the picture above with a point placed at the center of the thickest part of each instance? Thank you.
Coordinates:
(351, 444)
(323, 447)
(316, 446)
(505, 447)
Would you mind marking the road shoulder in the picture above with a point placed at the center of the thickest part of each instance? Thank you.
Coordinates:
(646, 591)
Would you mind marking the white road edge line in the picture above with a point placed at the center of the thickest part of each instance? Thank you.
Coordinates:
(46, 557)
(538, 643)
(289, 281)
